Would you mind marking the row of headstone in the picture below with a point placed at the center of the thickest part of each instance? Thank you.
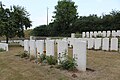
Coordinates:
(4, 46)
(103, 43)
(91, 34)
(79, 50)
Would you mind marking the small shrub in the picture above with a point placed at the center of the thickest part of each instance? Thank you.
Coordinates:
(68, 64)
(24, 54)
(51, 60)
(2, 50)
(42, 57)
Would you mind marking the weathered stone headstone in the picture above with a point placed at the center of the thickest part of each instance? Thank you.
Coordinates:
(32, 48)
(71, 42)
(98, 43)
(83, 34)
(90, 43)
(31, 37)
(99, 33)
(50, 47)
(114, 34)
(114, 44)
(108, 33)
(79, 53)
(62, 49)
(40, 47)
(118, 33)
(26, 46)
(104, 33)
(105, 44)
(87, 34)
(95, 33)
(72, 35)
(91, 34)
(4, 46)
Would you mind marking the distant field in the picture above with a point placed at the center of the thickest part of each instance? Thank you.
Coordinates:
(102, 65)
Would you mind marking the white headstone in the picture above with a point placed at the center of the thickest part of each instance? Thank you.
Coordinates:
(83, 34)
(87, 34)
(79, 53)
(71, 42)
(114, 34)
(91, 34)
(62, 49)
(118, 33)
(50, 47)
(4, 46)
(40, 46)
(108, 33)
(90, 43)
(72, 35)
(98, 43)
(32, 48)
(99, 33)
(26, 45)
(114, 44)
(95, 33)
(105, 44)
(104, 33)
(31, 37)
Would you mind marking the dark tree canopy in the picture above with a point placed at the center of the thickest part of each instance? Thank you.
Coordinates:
(65, 15)
(67, 21)
(13, 20)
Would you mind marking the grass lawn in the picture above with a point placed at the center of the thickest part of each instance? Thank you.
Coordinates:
(101, 65)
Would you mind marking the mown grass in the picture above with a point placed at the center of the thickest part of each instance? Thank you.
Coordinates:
(102, 65)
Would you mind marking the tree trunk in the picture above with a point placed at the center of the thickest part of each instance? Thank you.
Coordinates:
(6, 39)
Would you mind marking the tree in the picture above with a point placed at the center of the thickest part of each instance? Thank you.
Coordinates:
(65, 16)
(13, 21)
(40, 31)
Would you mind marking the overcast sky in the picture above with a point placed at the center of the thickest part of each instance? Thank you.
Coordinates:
(38, 8)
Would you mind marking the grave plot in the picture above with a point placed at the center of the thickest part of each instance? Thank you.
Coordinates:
(90, 43)
(105, 44)
(32, 48)
(114, 44)
(79, 53)
(26, 46)
(98, 43)
(40, 46)
(4, 46)
(50, 47)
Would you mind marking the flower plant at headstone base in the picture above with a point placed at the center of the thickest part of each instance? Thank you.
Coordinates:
(67, 63)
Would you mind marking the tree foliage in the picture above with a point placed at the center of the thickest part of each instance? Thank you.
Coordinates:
(13, 20)
(66, 21)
